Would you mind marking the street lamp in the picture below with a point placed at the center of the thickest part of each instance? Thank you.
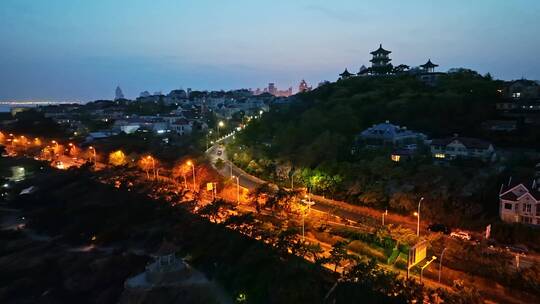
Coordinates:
(208, 134)
(150, 158)
(433, 258)
(237, 188)
(418, 215)
(308, 204)
(440, 264)
(94, 154)
(221, 124)
(383, 215)
(190, 163)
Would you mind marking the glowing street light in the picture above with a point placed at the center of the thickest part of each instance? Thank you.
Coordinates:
(93, 154)
(151, 159)
(221, 124)
(208, 134)
(190, 163)
(383, 215)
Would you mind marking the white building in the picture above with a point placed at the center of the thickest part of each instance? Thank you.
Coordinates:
(520, 203)
(462, 147)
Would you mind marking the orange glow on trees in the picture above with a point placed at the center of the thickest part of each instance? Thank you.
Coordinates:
(37, 142)
(73, 150)
(117, 158)
(181, 169)
(2, 137)
(148, 163)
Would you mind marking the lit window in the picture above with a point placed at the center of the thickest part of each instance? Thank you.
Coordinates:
(440, 155)
(395, 157)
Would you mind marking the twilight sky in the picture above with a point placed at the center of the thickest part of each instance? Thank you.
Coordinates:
(81, 49)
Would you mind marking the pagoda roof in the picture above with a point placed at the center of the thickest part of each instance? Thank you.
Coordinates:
(429, 64)
(345, 73)
(380, 59)
(380, 50)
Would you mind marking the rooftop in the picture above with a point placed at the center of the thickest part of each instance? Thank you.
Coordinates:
(380, 50)
(466, 141)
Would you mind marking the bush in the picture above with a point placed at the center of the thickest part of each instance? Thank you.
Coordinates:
(364, 249)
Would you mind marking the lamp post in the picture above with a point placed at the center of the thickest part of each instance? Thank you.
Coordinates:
(190, 163)
(56, 147)
(237, 188)
(208, 134)
(433, 258)
(308, 204)
(383, 215)
(418, 215)
(94, 154)
(440, 263)
(220, 125)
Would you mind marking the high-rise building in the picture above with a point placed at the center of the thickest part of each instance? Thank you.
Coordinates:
(272, 88)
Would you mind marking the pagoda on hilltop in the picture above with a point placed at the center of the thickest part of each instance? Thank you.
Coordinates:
(346, 74)
(429, 67)
(380, 63)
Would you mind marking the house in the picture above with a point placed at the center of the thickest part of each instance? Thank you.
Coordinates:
(181, 126)
(402, 155)
(387, 134)
(520, 203)
(462, 147)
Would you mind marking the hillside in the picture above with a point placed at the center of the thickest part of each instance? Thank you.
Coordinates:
(311, 139)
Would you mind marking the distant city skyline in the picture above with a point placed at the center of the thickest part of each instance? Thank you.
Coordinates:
(83, 50)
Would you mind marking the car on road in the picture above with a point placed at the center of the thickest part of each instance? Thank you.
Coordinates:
(519, 249)
(461, 235)
(435, 227)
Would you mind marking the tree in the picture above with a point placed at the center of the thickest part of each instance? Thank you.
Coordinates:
(338, 254)
(262, 192)
(117, 158)
(148, 163)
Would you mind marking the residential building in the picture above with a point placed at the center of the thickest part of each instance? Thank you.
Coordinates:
(462, 147)
(387, 134)
(520, 203)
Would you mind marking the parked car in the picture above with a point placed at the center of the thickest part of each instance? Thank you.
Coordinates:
(439, 228)
(461, 235)
(519, 249)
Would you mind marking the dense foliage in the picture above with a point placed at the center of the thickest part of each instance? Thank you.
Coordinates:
(310, 141)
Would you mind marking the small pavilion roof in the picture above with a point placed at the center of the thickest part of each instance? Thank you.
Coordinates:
(429, 64)
(345, 73)
(380, 50)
